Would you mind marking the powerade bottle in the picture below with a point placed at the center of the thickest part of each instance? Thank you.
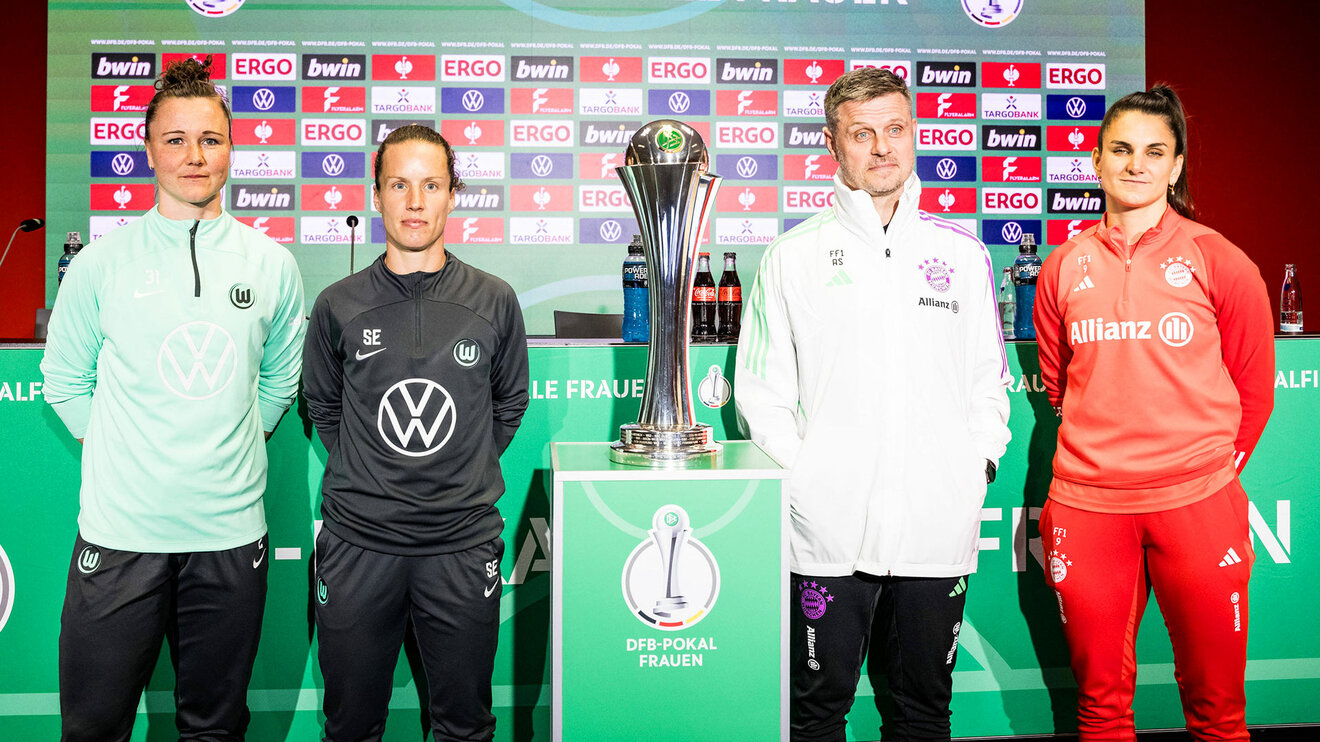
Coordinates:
(636, 302)
(1025, 271)
(72, 246)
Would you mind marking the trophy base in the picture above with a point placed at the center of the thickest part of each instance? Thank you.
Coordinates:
(645, 446)
(667, 607)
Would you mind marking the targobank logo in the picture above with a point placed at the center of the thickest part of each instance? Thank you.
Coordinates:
(197, 360)
(671, 580)
(416, 417)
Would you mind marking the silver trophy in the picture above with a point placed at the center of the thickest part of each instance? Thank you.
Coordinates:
(669, 530)
(664, 174)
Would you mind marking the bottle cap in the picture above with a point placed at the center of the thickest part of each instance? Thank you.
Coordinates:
(703, 255)
(730, 255)
(1028, 243)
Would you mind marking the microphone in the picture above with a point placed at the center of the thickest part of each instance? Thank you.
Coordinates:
(27, 225)
(352, 221)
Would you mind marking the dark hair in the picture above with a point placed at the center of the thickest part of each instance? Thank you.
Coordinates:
(421, 133)
(1162, 102)
(186, 78)
(861, 85)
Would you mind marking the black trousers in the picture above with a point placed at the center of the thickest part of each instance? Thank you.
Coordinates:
(364, 602)
(118, 605)
(834, 619)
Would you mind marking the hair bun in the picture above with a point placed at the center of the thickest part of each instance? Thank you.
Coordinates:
(185, 75)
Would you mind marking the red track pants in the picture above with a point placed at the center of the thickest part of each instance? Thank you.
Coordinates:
(1198, 559)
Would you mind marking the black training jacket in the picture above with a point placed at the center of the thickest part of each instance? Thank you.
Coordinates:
(416, 385)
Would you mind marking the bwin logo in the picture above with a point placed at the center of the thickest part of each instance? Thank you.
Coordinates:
(542, 166)
(946, 168)
(679, 102)
(747, 167)
(420, 408)
(332, 165)
(197, 360)
(122, 163)
(473, 100)
(467, 352)
(263, 99)
(610, 230)
(88, 560)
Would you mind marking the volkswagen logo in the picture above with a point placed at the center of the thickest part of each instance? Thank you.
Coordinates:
(473, 100)
(332, 165)
(1076, 107)
(679, 102)
(416, 417)
(747, 167)
(197, 360)
(467, 352)
(542, 166)
(946, 168)
(1012, 233)
(263, 99)
(610, 230)
(122, 163)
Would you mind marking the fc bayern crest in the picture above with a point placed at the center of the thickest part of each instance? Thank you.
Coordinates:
(671, 580)
(939, 275)
(1177, 271)
(1059, 564)
(215, 8)
(993, 13)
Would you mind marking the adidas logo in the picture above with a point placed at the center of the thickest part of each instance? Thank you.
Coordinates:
(840, 279)
(1230, 559)
(958, 590)
(1084, 285)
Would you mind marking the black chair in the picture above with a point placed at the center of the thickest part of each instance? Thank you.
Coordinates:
(588, 325)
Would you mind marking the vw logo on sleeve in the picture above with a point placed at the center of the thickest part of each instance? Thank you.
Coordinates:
(416, 417)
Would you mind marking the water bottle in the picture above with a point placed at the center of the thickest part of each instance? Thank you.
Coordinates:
(1290, 301)
(636, 302)
(704, 301)
(1025, 271)
(1007, 305)
(72, 246)
(729, 300)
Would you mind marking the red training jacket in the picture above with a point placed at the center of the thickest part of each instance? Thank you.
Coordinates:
(1162, 357)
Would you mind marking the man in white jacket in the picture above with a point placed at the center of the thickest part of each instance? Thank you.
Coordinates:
(871, 364)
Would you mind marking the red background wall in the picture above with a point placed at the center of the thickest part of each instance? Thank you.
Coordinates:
(1247, 78)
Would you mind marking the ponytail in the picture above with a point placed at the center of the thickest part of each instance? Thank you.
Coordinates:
(1163, 102)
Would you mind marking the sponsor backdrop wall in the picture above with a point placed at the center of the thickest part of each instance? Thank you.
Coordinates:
(539, 99)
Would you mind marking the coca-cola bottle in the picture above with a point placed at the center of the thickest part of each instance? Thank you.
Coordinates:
(729, 296)
(704, 302)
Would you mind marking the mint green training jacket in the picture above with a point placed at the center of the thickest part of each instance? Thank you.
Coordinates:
(172, 346)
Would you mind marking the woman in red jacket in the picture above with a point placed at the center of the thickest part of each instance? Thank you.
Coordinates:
(1157, 349)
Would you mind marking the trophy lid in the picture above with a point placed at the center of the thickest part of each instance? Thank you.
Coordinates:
(666, 142)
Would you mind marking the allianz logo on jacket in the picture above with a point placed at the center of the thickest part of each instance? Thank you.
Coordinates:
(1174, 328)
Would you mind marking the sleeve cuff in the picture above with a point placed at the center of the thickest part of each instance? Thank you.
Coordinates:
(271, 413)
(75, 413)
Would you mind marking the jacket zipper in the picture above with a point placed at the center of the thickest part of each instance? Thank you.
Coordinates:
(417, 318)
(192, 248)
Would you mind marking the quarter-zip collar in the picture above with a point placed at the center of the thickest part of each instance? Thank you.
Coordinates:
(191, 235)
(856, 212)
(1115, 239)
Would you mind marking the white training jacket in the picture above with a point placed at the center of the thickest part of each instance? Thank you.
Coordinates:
(872, 365)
